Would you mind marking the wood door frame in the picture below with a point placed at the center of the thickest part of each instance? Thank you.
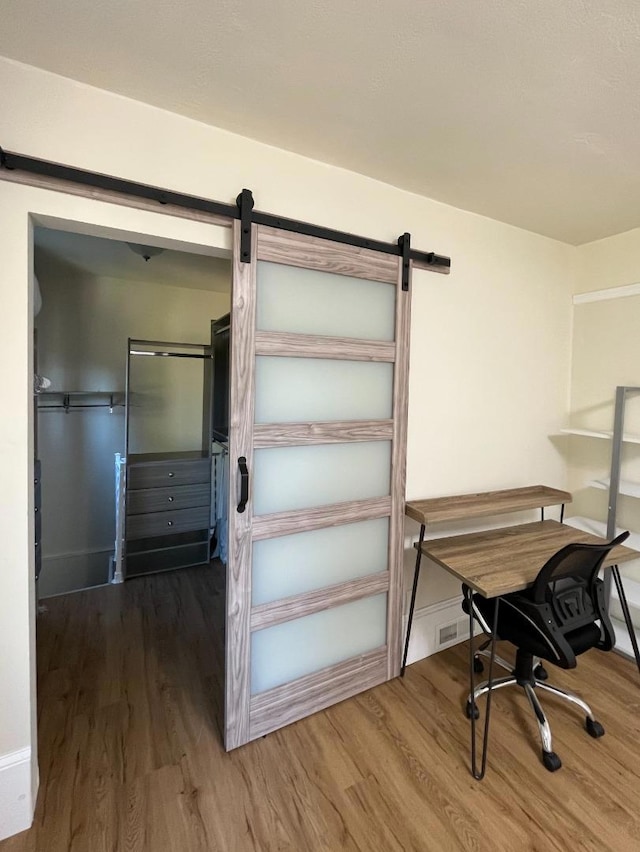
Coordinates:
(247, 716)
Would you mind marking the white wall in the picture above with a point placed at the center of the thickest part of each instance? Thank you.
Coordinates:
(489, 347)
(612, 262)
(83, 329)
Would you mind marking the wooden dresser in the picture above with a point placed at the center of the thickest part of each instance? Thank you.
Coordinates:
(168, 509)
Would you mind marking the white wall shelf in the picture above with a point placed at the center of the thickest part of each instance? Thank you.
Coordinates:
(607, 435)
(599, 528)
(627, 487)
(623, 640)
(632, 592)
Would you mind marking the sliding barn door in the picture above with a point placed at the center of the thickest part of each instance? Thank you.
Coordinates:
(319, 361)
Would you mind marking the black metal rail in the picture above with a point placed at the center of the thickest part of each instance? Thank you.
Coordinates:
(243, 210)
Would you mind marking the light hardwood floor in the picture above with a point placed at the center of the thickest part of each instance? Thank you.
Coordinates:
(130, 701)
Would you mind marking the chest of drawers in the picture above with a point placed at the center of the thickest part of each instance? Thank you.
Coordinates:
(168, 511)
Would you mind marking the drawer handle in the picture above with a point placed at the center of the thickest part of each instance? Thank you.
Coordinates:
(169, 523)
(170, 499)
(171, 473)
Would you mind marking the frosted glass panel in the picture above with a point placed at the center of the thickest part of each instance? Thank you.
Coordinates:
(287, 651)
(308, 301)
(302, 477)
(290, 390)
(293, 564)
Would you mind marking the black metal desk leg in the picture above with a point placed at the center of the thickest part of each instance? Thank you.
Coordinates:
(416, 577)
(625, 611)
(472, 683)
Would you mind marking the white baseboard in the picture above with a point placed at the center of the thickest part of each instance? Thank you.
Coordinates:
(17, 800)
(427, 621)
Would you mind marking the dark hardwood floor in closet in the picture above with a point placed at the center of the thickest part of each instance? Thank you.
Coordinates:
(130, 698)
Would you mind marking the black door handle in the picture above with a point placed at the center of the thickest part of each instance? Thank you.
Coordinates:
(244, 483)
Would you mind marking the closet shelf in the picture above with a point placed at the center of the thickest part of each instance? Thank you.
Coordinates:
(59, 400)
(607, 435)
(627, 487)
(599, 528)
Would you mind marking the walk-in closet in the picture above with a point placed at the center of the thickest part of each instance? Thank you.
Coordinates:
(130, 433)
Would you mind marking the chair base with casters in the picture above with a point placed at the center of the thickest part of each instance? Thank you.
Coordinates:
(559, 617)
(524, 675)
(539, 671)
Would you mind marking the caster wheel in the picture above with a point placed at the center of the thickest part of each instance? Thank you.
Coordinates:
(551, 761)
(540, 673)
(478, 665)
(471, 708)
(594, 729)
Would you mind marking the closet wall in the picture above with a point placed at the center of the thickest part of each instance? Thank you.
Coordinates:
(83, 329)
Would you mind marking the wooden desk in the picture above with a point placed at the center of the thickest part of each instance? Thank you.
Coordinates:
(498, 562)
(478, 505)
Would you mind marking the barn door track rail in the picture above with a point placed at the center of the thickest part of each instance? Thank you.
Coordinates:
(243, 210)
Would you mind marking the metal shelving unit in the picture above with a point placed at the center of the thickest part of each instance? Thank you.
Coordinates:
(626, 640)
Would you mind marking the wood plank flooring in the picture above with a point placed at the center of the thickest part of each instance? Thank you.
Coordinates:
(130, 699)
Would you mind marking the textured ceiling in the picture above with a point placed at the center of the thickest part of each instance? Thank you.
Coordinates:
(104, 258)
(523, 110)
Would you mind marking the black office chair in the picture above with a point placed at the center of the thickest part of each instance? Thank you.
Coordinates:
(560, 617)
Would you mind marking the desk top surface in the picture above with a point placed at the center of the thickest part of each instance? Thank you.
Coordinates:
(498, 562)
(461, 506)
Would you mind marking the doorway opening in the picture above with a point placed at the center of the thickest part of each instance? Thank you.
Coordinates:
(93, 296)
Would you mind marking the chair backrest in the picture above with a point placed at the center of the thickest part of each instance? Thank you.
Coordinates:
(580, 562)
(561, 610)
(569, 583)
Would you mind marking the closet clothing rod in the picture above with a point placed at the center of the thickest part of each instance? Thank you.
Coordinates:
(72, 407)
(170, 354)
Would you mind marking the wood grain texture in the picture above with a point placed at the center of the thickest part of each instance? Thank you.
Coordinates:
(297, 606)
(318, 254)
(288, 344)
(70, 188)
(301, 520)
(327, 256)
(241, 417)
(267, 435)
(285, 704)
(130, 693)
(395, 600)
(497, 562)
(482, 504)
